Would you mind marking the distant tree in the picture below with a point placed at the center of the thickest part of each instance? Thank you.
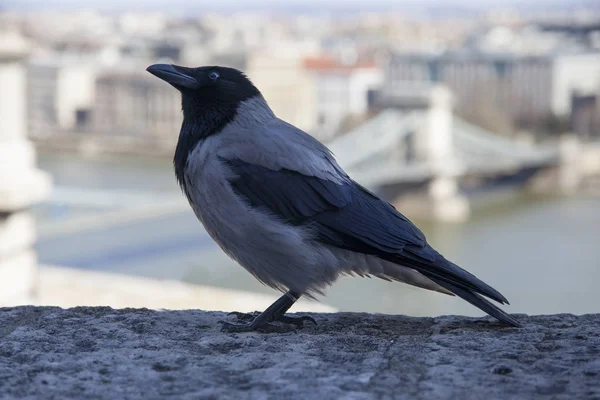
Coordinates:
(543, 126)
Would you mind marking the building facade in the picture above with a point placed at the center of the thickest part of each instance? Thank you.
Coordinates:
(525, 87)
(60, 95)
(132, 103)
(288, 88)
(342, 91)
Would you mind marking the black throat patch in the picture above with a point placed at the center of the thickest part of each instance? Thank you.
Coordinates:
(194, 131)
(207, 111)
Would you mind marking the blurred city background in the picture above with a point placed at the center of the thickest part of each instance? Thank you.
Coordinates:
(478, 120)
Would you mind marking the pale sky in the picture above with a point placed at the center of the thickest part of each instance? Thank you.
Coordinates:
(308, 5)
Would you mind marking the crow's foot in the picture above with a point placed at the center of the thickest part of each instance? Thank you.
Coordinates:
(258, 323)
(262, 322)
(250, 327)
(298, 321)
(248, 317)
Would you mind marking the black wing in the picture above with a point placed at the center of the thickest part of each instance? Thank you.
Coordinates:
(348, 216)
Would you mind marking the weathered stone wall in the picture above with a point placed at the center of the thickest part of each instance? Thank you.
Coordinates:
(102, 353)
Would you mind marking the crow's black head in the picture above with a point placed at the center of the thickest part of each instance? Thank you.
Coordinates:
(210, 99)
(207, 89)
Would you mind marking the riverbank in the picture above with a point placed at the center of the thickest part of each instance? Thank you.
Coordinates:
(90, 144)
(102, 353)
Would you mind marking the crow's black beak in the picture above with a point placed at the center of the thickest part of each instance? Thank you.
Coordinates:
(175, 75)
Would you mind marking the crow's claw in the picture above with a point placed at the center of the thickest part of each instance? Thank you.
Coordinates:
(245, 316)
(298, 321)
(264, 328)
(273, 319)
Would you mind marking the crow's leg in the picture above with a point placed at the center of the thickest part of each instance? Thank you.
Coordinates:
(262, 322)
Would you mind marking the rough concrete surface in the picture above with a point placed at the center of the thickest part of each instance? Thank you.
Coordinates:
(103, 353)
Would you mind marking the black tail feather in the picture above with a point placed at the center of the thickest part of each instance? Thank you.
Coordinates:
(447, 271)
(477, 301)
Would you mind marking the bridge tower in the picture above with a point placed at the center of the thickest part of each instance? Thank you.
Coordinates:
(434, 146)
(21, 184)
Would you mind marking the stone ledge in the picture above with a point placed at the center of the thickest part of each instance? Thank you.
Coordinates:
(103, 353)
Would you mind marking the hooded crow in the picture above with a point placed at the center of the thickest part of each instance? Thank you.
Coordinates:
(277, 202)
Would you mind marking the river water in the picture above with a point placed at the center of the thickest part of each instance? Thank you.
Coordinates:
(541, 253)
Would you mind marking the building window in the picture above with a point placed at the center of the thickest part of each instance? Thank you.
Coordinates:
(82, 118)
(321, 119)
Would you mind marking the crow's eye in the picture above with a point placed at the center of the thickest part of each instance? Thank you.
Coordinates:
(213, 75)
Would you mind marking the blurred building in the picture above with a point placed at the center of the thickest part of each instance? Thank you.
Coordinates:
(585, 116)
(342, 91)
(504, 71)
(287, 86)
(131, 102)
(584, 31)
(524, 87)
(60, 95)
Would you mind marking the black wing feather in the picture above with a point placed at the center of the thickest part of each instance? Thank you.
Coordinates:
(348, 216)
